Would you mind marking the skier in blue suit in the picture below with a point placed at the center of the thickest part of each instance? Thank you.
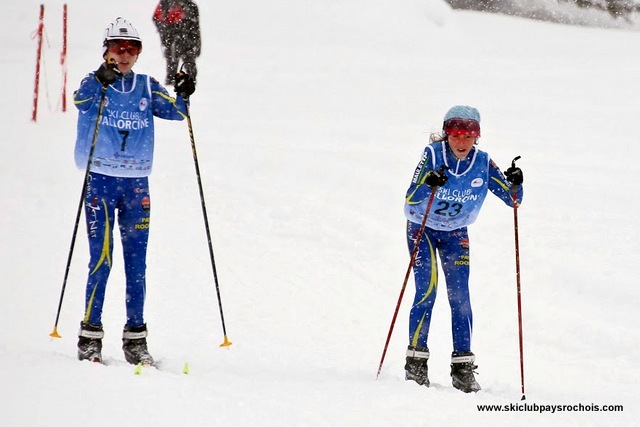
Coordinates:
(461, 175)
(120, 164)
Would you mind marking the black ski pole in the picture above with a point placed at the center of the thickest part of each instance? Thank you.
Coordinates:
(226, 342)
(414, 254)
(85, 184)
(517, 244)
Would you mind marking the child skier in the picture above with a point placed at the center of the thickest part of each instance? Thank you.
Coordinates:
(460, 175)
(115, 124)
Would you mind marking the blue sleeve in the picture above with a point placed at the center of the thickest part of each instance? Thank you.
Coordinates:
(502, 188)
(88, 94)
(417, 196)
(419, 191)
(164, 105)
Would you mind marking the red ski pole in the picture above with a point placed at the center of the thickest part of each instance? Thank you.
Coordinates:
(517, 243)
(414, 254)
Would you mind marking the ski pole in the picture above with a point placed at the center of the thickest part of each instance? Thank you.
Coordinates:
(226, 342)
(517, 244)
(85, 184)
(414, 254)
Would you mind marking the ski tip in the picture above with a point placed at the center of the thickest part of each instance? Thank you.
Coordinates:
(55, 333)
(143, 364)
(523, 397)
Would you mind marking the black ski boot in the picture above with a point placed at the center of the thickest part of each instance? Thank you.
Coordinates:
(90, 342)
(462, 369)
(134, 344)
(416, 366)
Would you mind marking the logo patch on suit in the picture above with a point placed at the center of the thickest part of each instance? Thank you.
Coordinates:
(464, 243)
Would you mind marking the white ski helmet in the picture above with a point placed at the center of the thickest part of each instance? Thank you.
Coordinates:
(120, 29)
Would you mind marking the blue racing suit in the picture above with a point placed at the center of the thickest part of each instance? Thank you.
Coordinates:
(455, 206)
(118, 179)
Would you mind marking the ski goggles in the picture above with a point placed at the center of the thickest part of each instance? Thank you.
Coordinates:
(457, 127)
(121, 46)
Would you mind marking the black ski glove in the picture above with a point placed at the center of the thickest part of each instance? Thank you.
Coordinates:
(514, 175)
(436, 178)
(185, 85)
(108, 72)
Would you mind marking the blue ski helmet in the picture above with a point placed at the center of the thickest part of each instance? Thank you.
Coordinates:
(462, 119)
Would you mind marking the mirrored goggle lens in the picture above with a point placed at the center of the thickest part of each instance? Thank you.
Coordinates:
(457, 127)
(121, 46)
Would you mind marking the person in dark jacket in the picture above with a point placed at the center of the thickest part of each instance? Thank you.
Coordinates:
(178, 23)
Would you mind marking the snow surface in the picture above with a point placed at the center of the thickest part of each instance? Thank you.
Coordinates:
(309, 119)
